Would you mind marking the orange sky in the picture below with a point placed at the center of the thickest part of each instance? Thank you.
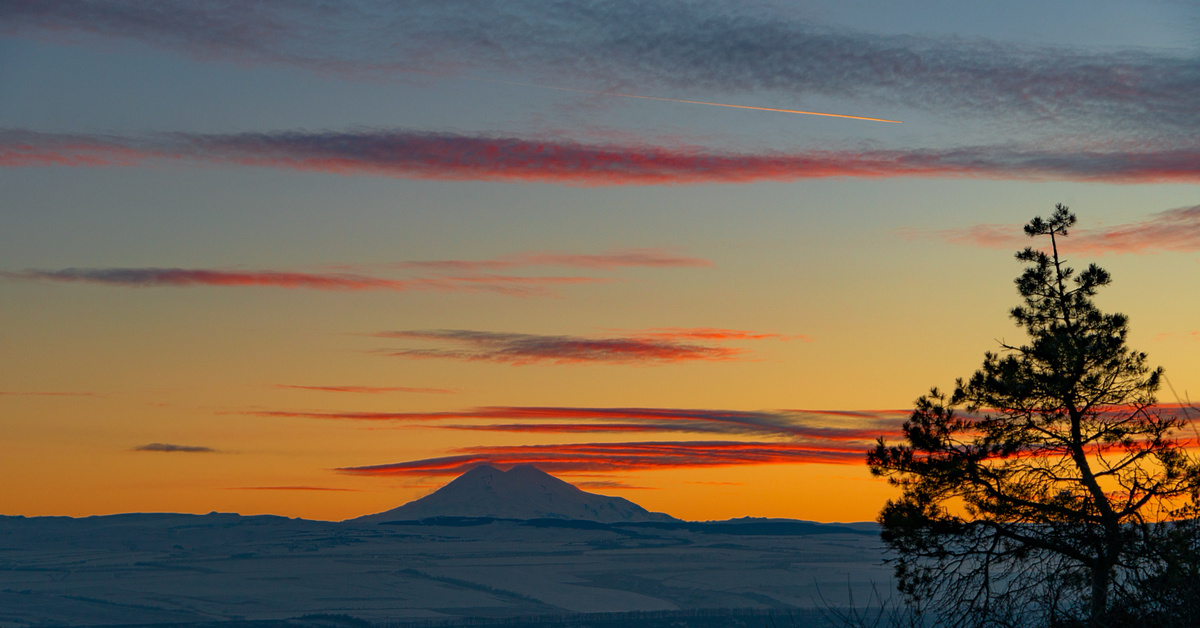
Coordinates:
(286, 262)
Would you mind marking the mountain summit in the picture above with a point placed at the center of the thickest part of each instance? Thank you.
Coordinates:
(522, 492)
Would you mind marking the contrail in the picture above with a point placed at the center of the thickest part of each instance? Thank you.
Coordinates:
(715, 104)
(621, 95)
(690, 102)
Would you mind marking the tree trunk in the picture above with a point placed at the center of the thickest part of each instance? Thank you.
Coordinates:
(1100, 578)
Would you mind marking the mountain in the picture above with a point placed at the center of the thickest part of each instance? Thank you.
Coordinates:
(522, 492)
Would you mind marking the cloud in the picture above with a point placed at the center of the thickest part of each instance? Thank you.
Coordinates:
(418, 155)
(732, 48)
(47, 394)
(1171, 230)
(167, 447)
(1177, 335)
(709, 333)
(609, 260)
(637, 456)
(650, 347)
(811, 426)
(289, 488)
(844, 443)
(438, 275)
(611, 485)
(369, 390)
(638, 257)
(183, 277)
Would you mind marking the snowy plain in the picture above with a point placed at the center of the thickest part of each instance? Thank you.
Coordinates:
(172, 568)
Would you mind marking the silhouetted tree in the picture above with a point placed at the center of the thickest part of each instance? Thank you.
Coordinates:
(1036, 493)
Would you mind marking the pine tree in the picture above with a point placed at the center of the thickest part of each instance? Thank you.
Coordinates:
(1035, 493)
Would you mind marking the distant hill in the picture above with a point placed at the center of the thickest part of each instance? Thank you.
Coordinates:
(522, 492)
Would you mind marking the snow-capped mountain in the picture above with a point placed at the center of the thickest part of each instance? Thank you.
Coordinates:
(522, 492)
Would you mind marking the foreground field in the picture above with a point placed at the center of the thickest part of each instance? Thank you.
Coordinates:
(142, 569)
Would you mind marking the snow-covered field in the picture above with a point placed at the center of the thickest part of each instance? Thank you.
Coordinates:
(143, 568)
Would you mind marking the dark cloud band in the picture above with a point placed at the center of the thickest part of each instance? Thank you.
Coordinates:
(707, 45)
(650, 347)
(811, 426)
(170, 448)
(607, 457)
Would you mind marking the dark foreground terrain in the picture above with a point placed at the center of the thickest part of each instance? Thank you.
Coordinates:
(230, 570)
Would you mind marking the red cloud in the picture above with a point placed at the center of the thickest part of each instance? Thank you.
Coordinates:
(565, 428)
(826, 426)
(584, 457)
(828, 445)
(407, 154)
(1170, 230)
(708, 333)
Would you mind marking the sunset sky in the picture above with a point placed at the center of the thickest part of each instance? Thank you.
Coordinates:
(316, 259)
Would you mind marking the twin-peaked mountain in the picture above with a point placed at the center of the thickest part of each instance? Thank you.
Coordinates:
(522, 492)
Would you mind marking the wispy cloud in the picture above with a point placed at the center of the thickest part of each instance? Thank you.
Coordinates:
(186, 277)
(22, 393)
(416, 155)
(435, 275)
(732, 48)
(1177, 335)
(809, 425)
(1170, 230)
(611, 485)
(289, 488)
(608, 260)
(811, 437)
(170, 448)
(709, 333)
(649, 347)
(638, 456)
(369, 390)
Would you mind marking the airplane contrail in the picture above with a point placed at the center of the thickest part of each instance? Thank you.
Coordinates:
(711, 104)
(689, 102)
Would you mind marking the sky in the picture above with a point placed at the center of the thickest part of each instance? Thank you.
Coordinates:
(316, 259)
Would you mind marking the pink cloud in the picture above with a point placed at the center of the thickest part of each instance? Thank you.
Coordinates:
(418, 155)
(709, 333)
(1171, 230)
